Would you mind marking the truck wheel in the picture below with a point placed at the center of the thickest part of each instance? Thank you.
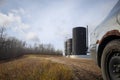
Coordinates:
(110, 62)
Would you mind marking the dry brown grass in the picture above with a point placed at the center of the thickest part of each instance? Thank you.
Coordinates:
(34, 68)
(83, 69)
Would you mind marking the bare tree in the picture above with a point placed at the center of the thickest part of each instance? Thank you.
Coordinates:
(10, 47)
(2, 37)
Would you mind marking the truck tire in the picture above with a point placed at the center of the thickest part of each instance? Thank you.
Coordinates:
(110, 62)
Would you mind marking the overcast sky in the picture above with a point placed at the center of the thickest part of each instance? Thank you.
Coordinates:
(51, 21)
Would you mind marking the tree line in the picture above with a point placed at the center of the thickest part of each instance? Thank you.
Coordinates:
(11, 47)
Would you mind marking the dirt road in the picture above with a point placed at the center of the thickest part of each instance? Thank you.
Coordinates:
(84, 69)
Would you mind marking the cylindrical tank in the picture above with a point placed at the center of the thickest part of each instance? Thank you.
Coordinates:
(79, 41)
(69, 46)
(87, 38)
(65, 46)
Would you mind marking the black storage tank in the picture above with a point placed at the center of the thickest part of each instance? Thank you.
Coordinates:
(69, 46)
(65, 46)
(79, 41)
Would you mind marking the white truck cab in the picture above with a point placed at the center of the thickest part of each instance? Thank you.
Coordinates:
(105, 45)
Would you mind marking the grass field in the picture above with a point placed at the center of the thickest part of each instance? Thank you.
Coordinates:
(34, 68)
